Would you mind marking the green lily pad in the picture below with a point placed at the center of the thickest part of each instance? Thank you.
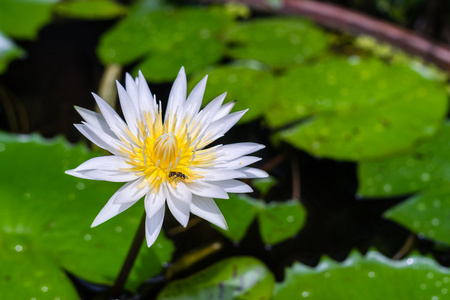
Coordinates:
(242, 278)
(197, 54)
(92, 9)
(279, 42)
(425, 167)
(46, 217)
(8, 52)
(352, 109)
(250, 88)
(279, 221)
(239, 212)
(263, 185)
(427, 214)
(158, 34)
(371, 277)
(24, 18)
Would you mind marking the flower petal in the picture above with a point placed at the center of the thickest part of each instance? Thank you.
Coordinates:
(99, 137)
(219, 127)
(207, 209)
(95, 119)
(240, 162)
(146, 100)
(110, 210)
(253, 173)
(106, 175)
(128, 108)
(106, 163)
(114, 121)
(212, 174)
(177, 97)
(131, 191)
(234, 186)
(153, 225)
(224, 110)
(232, 151)
(153, 202)
(206, 189)
(132, 89)
(194, 100)
(179, 209)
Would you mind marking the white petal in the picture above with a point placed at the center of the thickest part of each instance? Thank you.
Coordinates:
(207, 209)
(146, 101)
(95, 119)
(253, 173)
(108, 175)
(224, 110)
(132, 89)
(194, 101)
(128, 108)
(99, 137)
(234, 186)
(181, 192)
(179, 209)
(207, 114)
(115, 122)
(109, 163)
(219, 127)
(177, 97)
(232, 151)
(110, 210)
(212, 174)
(153, 225)
(206, 189)
(131, 191)
(153, 202)
(240, 162)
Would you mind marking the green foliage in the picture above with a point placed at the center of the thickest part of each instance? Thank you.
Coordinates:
(354, 110)
(165, 40)
(278, 221)
(370, 277)
(45, 220)
(425, 167)
(92, 9)
(8, 52)
(23, 18)
(427, 213)
(279, 42)
(244, 278)
(239, 212)
(249, 87)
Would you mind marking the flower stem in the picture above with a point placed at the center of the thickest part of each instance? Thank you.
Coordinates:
(129, 261)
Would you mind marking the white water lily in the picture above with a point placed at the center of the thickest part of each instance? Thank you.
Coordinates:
(165, 160)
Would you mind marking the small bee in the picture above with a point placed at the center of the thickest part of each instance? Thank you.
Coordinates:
(175, 175)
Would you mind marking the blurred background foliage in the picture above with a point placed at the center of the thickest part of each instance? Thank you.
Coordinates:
(357, 148)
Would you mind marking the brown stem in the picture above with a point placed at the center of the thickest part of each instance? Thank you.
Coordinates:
(129, 261)
(107, 89)
(406, 248)
(295, 178)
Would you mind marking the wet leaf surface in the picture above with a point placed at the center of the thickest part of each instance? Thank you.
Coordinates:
(371, 277)
(46, 217)
(24, 18)
(279, 42)
(350, 110)
(243, 278)
(425, 167)
(427, 214)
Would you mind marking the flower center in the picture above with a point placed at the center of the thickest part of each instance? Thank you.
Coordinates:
(166, 154)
